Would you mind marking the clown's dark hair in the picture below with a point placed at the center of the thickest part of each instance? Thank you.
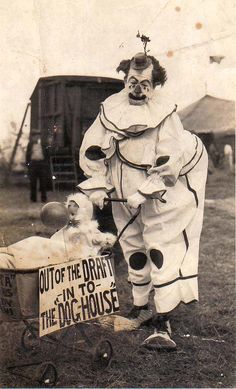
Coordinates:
(159, 76)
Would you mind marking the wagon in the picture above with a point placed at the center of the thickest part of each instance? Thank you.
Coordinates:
(20, 299)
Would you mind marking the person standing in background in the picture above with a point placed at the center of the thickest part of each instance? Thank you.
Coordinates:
(37, 156)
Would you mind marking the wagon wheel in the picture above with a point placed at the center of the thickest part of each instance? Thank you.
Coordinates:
(102, 354)
(30, 339)
(46, 374)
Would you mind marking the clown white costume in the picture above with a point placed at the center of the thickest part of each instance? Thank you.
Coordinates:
(137, 149)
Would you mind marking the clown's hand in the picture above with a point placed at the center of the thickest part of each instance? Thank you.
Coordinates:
(97, 198)
(135, 200)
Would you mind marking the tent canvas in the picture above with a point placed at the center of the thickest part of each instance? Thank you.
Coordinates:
(209, 114)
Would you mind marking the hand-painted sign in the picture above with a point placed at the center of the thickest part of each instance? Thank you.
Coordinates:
(18, 294)
(9, 303)
(76, 291)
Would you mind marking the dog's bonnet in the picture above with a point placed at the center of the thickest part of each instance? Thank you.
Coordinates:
(84, 204)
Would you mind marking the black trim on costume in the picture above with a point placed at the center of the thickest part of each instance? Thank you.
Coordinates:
(195, 163)
(191, 190)
(176, 279)
(90, 189)
(124, 131)
(145, 283)
(136, 134)
(121, 179)
(108, 129)
(163, 192)
(186, 241)
(131, 164)
(103, 111)
(193, 155)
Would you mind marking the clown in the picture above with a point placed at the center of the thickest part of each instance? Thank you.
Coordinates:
(137, 149)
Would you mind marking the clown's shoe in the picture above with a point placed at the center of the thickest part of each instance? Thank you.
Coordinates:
(161, 338)
(136, 317)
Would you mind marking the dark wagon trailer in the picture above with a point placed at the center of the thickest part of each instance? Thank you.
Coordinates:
(63, 107)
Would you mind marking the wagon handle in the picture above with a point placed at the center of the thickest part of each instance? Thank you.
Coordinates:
(115, 199)
(132, 219)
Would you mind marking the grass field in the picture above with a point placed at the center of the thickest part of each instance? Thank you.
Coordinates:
(204, 332)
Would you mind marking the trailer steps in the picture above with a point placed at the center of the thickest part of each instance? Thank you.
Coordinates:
(63, 170)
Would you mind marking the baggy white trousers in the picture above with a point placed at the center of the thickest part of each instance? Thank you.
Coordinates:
(161, 247)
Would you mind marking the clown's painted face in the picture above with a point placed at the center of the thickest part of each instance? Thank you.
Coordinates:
(139, 85)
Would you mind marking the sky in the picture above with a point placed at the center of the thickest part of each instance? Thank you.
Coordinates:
(90, 37)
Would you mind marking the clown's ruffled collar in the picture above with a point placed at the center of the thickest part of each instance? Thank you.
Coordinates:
(118, 115)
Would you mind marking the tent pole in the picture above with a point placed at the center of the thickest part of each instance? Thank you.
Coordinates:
(13, 154)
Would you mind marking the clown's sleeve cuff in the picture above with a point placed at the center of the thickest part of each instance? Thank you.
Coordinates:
(152, 186)
(95, 183)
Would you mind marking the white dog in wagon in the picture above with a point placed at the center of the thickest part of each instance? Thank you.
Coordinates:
(79, 238)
